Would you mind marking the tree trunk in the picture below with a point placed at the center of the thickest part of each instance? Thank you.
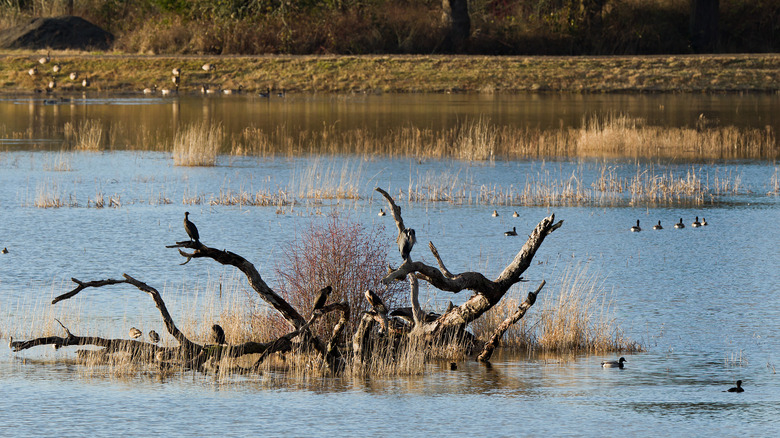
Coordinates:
(457, 24)
(704, 25)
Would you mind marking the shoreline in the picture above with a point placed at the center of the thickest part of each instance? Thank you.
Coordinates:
(121, 74)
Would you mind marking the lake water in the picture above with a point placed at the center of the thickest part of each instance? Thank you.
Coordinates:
(704, 302)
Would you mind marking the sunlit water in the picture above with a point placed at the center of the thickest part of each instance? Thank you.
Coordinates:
(704, 302)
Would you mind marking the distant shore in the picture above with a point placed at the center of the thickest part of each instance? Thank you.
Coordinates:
(118, 74)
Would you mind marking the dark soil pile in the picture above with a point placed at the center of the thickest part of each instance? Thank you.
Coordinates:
(56, 33)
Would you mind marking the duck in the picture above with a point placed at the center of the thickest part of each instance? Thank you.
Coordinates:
(696, 223)
(495, 213)
(135, 333)
(154, 337)
(381, 212)
(515, 214)
(737, 388)
(636, 228)
(679, 224)
(512, 232)
(614, 363)
(703, 222)
(658, 227)
(5, 251)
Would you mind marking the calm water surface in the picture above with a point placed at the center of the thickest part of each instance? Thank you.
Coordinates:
(704, 302)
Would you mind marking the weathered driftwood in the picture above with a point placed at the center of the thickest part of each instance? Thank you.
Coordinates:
(487, 292)
(490, 346)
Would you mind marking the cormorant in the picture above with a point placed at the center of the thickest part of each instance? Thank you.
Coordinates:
(737, 388)
(658, 227)
(154, 337)
(190, 228)
(322, 298)
(679, 224)
(406, 241)
(614, 363)
(696, 223)
(636, 228)
(135, 333)
(218, 335)
(512, 232)
(376, 302)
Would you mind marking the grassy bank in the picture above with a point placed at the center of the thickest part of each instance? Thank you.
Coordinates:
(118, 73)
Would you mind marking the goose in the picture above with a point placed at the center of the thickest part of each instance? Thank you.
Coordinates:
(614, 363)
(33, 71)
(636, 228)
(150, 90)
(154, 337)
(515, 214)
(236, 91)
(679, 224)
(167, 91)
(190, 228)
(495, 213)
(658, 227)
(56, 68)
(703, 222)
(45, 59)
(135, 333)
(175, 80)
(85, 83)
(696, 223)
(209, 67)
(737, 388)
(51, 85)
(512, 232)
(73, 76)
(381, 212)
(176, 71)
(266, 94)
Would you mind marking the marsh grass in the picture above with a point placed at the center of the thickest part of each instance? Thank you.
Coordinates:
(49, 194)
(197, 144)
(58, 162)
(88, 135)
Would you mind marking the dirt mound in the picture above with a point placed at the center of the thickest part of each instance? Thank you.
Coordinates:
(57, 33)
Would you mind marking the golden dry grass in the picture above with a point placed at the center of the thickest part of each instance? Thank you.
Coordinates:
(197, 144)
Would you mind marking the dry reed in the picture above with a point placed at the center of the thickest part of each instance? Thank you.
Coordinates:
(197, 144)
(89, 135)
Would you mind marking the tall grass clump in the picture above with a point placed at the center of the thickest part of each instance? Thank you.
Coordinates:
(197, 144)
(88, 135)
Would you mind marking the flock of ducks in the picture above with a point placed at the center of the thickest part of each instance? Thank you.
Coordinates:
(696, 224)
(56, 71)
(620, 364)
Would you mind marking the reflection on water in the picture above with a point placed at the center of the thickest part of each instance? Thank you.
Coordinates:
(704, 301)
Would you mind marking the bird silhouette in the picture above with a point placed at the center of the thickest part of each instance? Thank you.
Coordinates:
(190, 228)
(217, 334)
(406, 241)
(636, 228)
(512, 232)
(658, 227)
(322, 298)
(737, 388)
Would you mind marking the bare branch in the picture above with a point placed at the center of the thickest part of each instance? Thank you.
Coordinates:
(395, 209)
(443, 268)
(83, 285)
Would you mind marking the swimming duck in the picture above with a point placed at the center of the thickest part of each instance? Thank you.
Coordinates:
(737, 388)
(636, 228)
(658, 227)
(512, 232)
(696, 223)
(5, 251)
(135, 333)
(515, 214)
(614, 363)
(495, 213)
(381, 212)
(679, 224)
(703, 222)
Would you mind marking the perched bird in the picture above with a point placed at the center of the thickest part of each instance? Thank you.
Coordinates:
(515, 214)
(679, 224)
(56, 68)
(636, 228)
(614, 363)
(512, 232)
(217, 334)
(406, 240)
(703, 222)
(495, 213)
(5, 251)
(737, 388)
(73, 76)
(322, 298)
(376, 302)
(154, 337)
(176, 71)
(696, 223)
(209, 67)
(190, 228)
(381, 212)
(135, 333)
(658, 227)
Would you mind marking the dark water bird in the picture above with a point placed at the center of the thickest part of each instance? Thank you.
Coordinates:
(381, 212)
(658, 227)
(154, 337)
(679, 224)
(5, 251)
(322, 298)
(406, 241)
(190, 228)
(512, 232)
(453, 366)
(376, 302)
(696, 223)
(703, 222)
(266, 94)
(636, 228)
(614, 363)
(495, 213)
(515, 214)
(135, 333)
(217, 334)
(737, 388)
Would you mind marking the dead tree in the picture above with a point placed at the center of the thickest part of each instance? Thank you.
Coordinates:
(487, 293)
